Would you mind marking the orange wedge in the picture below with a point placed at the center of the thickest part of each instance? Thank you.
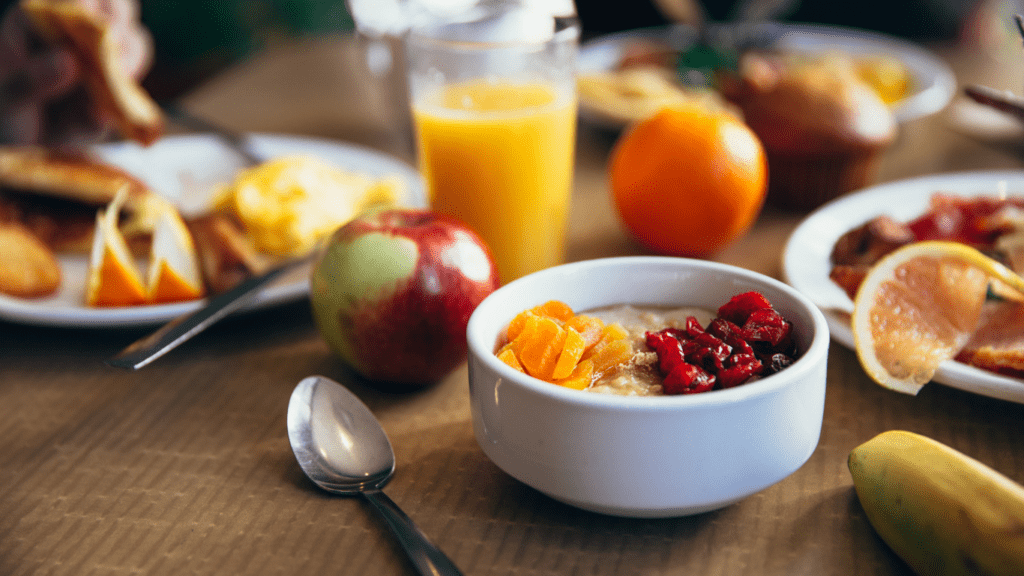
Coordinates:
(113, 279)
(174, 272)
(917, 308)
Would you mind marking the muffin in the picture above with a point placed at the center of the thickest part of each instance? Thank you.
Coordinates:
(822, 126)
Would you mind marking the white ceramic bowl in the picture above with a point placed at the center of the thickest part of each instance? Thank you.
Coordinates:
(646, 457)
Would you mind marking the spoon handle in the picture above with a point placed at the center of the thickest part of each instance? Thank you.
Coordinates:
(428, 559)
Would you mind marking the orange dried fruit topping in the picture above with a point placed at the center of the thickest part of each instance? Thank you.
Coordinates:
(554, 309)
(572, 350)
(580, 378)
(508, 356)
(611, 354)
(550, 342)
(589, 327)
(542, 342)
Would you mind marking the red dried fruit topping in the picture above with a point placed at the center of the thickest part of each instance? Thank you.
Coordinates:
(747, 340)
(741, 306)
(766, 326)
(687, 379)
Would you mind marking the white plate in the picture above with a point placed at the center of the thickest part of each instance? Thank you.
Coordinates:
(186, 169)
(934, 82)
(806, 263)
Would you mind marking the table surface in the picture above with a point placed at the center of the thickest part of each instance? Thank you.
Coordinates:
(184, 466)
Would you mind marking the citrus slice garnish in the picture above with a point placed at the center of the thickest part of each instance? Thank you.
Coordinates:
(174, 273)
(113, 279)
(917, 308)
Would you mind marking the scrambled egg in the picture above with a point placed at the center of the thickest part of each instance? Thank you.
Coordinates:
(290, 203)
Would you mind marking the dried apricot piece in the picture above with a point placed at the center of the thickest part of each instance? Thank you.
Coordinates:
(580, 378)
(572, 350)
(615, 332)
(515, 327)
(610, 333)
(543, 340)
(589, 327)
(554, 309)
(611, 355)
(508, 356)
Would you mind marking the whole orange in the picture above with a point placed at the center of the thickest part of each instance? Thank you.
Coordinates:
(689, 180)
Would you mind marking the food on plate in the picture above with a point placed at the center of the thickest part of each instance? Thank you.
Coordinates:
(74, 202)
(689, 180)
(638, 92)
(887, 75)
(392, 292)
(940, 510)
(227, 255)
(288, 204)
(652, 72)
(55, 195)
(174, 273)
(997, 344)
(994, 225)
(822, 127)
(28, 268)
(74, 176)
(919, 306)
(648, 351)
(117, 94)
(112, 279)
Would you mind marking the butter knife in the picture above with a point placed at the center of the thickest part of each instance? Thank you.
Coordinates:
(183, 328)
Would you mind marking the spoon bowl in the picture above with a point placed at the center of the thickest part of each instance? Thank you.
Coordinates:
(343, 449)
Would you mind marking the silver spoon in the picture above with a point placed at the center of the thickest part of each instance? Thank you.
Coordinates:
(343, 449)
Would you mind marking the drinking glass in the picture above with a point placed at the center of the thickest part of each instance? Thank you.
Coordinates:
(494, 113)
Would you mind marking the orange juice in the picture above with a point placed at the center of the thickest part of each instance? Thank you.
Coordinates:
(499, 156)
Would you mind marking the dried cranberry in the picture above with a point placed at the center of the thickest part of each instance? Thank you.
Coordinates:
(657, 340)
(677, 333)
(741, 358)
(693, 327)
(706, 351)
(722, 328)
(739, 345)
(687, 379)
(766, 326)
(741, 306)
(748, 339)
(739, 373)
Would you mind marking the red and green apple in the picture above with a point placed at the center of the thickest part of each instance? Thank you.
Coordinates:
(392, 292)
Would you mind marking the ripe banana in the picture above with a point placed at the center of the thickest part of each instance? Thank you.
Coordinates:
(941, 511)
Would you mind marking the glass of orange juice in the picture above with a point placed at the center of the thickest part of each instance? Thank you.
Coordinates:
(494, 111)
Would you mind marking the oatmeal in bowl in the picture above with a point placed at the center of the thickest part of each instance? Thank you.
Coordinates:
(650, 351)
(617, 443)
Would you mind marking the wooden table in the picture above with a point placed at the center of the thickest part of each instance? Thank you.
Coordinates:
(184, 467)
